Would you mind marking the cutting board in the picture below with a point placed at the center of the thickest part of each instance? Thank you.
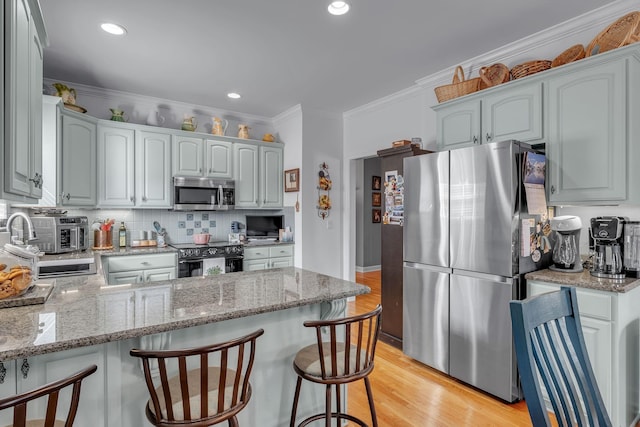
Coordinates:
(37, 294)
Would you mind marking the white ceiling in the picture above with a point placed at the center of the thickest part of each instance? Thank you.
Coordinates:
(280, 53)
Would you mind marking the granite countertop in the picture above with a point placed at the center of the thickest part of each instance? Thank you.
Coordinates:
(109, 252)
(584, 279)
(83, 310)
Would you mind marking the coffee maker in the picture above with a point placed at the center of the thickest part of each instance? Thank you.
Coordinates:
(631, 249)
(566, 251)
(606, 232)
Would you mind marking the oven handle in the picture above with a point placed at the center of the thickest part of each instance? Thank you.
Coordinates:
(189, 261)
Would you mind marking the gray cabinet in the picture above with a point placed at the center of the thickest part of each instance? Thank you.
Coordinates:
(77, 163)
(23, 41)
(134, 167)
(259, 176)
(266, 257)
(587, 147)
(202, 157)
(140, 268)
(497, 116)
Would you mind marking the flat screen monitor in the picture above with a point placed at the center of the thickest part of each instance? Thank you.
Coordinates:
(264, 226)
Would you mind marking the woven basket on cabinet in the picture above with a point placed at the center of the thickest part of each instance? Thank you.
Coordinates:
(459, 87)
(530, 67)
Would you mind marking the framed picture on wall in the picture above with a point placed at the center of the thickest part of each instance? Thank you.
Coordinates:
(376, 215)
(292, 180)
(376, 183)
(376, 199)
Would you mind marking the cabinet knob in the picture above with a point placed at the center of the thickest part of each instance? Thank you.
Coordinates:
(209, 170)
(37, 180)
(488, 137)
(67, 196)
(553, 189)
(133, 199)
(200, 170)
(144, 198)
(475, 139)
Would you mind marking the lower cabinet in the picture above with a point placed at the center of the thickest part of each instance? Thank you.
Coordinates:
(99, 391)
(265, 257)
(120, 270)
(610, 325)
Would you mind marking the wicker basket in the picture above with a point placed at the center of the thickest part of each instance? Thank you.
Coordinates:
(459, 87)
(528, 68)
(494, 75)
(622, 32)
(574, 53)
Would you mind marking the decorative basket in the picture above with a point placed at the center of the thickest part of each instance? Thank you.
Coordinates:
(574, 53)
(528, 68)
(625, 30)
(493, 75)
(459, 87)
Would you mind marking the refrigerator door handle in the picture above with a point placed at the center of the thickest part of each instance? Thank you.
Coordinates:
(433, 268)
(485, 276)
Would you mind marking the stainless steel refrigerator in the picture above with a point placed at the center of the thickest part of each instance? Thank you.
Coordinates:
(462, 264)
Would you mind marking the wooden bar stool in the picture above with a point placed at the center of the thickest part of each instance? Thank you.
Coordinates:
(203, 396)
(336, 362)
(52, 391)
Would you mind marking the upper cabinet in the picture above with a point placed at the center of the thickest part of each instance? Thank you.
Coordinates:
(259, 176)
(202, 157)
(22, 109)
(134, 167)
(587, 134)
(514, 114)
(77, 160)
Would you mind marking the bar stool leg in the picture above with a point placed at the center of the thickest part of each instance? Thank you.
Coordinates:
(338, 404)
(233, 422)
(372, 408)
(295, 403)
(327, 409)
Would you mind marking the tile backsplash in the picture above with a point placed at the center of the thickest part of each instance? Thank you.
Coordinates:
(180, 226)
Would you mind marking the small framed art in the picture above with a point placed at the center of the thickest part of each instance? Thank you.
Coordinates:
(376, 199)
(292, 180)
(376, 215)
(376, 183)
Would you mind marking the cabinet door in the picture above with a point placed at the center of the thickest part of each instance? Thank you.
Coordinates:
(187, 156)
(598, 340)
(116, 167)
(116, 311)
(587, 135)
(218, 159)
(124, 277)
(78, 165)
(246, 175)
(54, 366)
(153, 305)
(271, 177)
(459, 125)
(159, 274)
(35, 111)
(153, 170)
(255, 264)
(513, 114)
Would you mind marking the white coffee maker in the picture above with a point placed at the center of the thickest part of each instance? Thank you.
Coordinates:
(566, 251)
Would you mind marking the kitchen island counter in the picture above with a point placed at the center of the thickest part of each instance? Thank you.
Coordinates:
(585, 280)
(83, 310)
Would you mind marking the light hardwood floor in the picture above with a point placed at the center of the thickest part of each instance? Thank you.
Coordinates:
(410, 394)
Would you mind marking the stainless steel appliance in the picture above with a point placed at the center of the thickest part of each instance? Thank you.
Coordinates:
(194, 260)
(463, 211)
(60, 234)
(566, 251)
(606, 232)
(631, 248)
(203, 194)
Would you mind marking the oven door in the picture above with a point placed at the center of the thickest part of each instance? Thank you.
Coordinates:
(189, 268)
(233, 264)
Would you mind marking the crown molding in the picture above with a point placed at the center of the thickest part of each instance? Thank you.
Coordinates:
(153, 102)
(596, 19)
(295, 110)
(380, 102)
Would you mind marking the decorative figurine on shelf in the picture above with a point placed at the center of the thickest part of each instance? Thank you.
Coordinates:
(68, 94)
(189, 123)
(118, 115)
(324, 186)
(243, 131)
(218, 127)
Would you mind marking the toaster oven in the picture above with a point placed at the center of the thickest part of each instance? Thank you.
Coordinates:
(61, 234)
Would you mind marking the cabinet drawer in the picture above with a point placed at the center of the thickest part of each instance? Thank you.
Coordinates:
(141, 262)
(590, 303)
(277, 251)
(256, 253)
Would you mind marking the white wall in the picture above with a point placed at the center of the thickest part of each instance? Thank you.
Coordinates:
(321, 246)
(288, 126)
(408, 113)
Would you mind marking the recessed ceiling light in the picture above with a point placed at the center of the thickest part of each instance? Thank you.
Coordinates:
(338, 7)
(233, 95)
(114, 29)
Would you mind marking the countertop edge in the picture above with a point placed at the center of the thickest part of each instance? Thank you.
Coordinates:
(584, 280)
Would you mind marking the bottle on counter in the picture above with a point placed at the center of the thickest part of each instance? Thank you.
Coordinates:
(122, 234)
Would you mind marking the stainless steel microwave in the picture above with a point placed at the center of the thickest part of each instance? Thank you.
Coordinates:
(61, 234)
(202, 194)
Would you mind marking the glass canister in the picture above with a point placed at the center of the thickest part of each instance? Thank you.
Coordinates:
(16, 274)
(631, 250)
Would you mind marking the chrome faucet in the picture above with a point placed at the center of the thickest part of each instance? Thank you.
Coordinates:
(31, 233)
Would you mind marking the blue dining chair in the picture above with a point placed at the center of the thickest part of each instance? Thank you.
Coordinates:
(551, 353)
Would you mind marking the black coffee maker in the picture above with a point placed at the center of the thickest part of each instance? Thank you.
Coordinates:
(606, 232)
